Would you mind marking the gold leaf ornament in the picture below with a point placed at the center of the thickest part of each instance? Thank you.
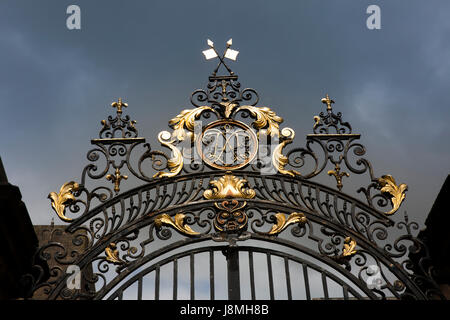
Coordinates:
(63, 199)
(174, 164)
(265, 117)
(316, 121)
(112, 254)
(177, 223)
(283, 222)
(349, 247)
(397, 193)
(279, 160)
(229, 186)
(229, 107)
(186, 119)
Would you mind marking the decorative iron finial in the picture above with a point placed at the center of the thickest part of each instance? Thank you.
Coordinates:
(328, 102)
(329, 123)
(119, 104)
(118, 127)
(228, 53)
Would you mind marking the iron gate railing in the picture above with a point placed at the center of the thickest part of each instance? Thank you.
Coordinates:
(304, 268)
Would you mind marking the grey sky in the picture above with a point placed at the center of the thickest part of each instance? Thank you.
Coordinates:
(390, 84)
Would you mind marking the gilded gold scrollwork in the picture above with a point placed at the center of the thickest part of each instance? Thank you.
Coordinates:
(396, 193)
(349, 247)
(229, 186)
(265, 117)
(229, 107)
(186, 119)
(348, 250)
(316, 121)
(279, 160)
(283, 222)
(63, 199)
(174, 164)
(112, 254)
(177, 223)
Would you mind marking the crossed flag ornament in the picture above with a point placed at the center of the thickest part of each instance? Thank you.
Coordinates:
(229, 54)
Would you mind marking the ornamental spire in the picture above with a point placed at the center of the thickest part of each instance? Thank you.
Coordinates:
(119, 104)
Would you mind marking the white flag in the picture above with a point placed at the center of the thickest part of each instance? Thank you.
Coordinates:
(231, 54)
(209, 54)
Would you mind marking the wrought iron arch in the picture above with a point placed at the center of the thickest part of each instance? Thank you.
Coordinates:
(232, 177)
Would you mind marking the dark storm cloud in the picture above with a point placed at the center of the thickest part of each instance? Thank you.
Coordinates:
(390, 84)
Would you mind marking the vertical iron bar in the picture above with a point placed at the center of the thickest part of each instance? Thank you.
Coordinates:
(234, 284)
(175, 278)
(305, 277)
(211, 274)
(288, 278)
(157, 283)
(345, 290)
(191, 258)
(120, 295)
(252, 274)
(269, 269)
(140, 288)
(325, 286)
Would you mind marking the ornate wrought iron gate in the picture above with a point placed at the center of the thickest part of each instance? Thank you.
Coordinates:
(232, 195)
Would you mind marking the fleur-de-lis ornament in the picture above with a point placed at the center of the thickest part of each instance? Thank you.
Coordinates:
(116, 178)
(118, 105)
